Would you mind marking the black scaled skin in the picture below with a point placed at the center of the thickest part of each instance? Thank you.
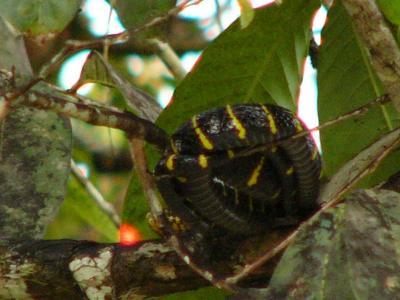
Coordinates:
(205, 178)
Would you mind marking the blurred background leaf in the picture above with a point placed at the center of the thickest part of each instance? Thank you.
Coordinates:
(39, 17)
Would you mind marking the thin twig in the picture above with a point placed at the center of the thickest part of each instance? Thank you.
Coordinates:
(361, 165)
(147, 181)
(73, 46)
(230, 282)
(170, 58)
(107, 92)
(100, 116)
(8, 80)
(368, 169)
(351, 114)
(160, 19)
(156, 208)
(94, 193)
(260, 148)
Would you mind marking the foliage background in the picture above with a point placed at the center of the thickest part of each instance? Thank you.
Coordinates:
(262, 61)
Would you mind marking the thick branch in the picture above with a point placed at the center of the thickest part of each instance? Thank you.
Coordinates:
(380, 44)
(68, 269)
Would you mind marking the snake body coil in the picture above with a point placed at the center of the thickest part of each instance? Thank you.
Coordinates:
(216, 170)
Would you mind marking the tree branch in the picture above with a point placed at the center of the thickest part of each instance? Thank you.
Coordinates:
(68, 269)
(33, 148)
(169, 57)
(380, 44)
(97, 115)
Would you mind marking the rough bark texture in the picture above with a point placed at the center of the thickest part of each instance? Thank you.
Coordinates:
(34, 150)
(380, 43)
(68, 269)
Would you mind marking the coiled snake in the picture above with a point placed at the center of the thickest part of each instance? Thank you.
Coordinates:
(216, 172)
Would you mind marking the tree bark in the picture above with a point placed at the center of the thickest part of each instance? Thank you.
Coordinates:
(379, 42)
(70, 269)
(35, 147)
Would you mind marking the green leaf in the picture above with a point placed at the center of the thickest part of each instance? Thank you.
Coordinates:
(78, 205)
(12, 51)
(135, 13)
(261, 63)
(345, 82)
(246, 13)
(349, 252)
(97, 69)
(35, 17)
(391, 10)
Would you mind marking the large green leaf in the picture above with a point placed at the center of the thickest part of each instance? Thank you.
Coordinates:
(349, 252)
(34, 17)
(261, 63)
(345, 82)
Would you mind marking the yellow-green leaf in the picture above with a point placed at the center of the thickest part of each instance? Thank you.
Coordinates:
(247, 13)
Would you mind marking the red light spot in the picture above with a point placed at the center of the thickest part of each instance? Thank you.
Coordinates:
(128, 235)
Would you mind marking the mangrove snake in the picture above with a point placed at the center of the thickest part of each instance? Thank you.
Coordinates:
(205, 178)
